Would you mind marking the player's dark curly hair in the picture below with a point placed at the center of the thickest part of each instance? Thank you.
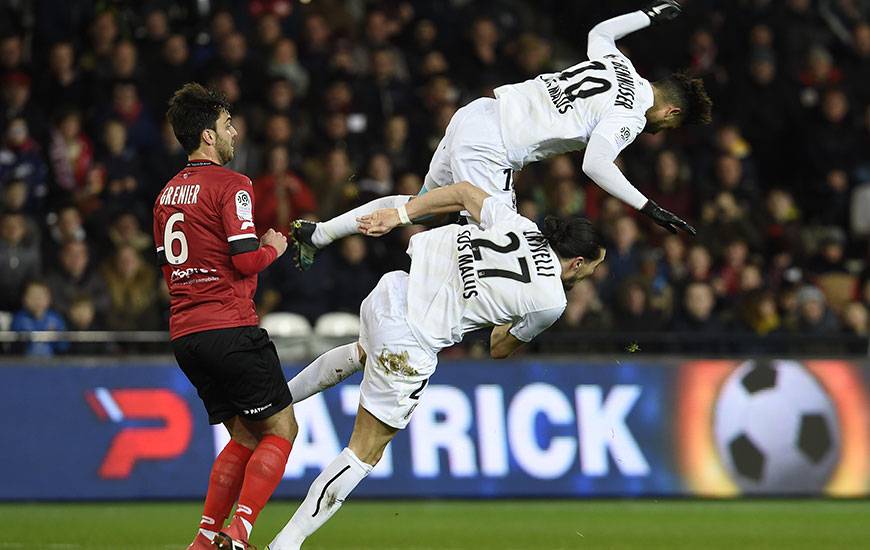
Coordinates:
(572, 237)
(688, 93)
(192, 109)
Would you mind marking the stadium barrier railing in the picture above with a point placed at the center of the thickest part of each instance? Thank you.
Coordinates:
(717, 344)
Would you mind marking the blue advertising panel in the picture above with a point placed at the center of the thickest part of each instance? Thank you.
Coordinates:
(482, 430)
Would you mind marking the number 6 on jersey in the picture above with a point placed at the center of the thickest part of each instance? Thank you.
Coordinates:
(170, 236)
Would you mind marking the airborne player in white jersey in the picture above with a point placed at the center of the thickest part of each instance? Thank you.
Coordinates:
(505, 273)
(600, 105)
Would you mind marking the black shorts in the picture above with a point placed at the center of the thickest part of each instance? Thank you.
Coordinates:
(236, 371)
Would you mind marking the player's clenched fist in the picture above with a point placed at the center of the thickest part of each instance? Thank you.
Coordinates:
(380, 222)
(662, 10)
(276, 240)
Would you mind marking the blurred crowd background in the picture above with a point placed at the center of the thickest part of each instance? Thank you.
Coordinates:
(337, 102)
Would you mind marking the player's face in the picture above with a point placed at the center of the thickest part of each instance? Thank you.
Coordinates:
(226, 134)
(583, 268)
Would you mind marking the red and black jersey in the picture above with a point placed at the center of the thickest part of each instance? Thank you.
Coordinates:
(202, 217)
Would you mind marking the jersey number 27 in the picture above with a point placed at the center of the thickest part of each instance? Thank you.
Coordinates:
(524, 275)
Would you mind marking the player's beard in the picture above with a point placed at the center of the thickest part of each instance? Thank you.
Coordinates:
(224, 150)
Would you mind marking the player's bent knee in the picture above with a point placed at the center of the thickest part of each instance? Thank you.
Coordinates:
(370, 437)
(282, 424)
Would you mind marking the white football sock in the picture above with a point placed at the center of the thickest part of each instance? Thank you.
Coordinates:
(342, 226)
(326, 371)
(324, 498)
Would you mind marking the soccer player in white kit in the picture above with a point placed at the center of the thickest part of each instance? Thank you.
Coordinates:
(600, 105)
(504, 273)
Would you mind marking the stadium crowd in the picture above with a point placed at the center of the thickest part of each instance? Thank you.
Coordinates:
(337, 102)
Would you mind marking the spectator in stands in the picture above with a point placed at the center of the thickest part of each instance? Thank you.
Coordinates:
(71, 152)
(398, 144)
(97, 59)
(233, 58)
(82, 317)
(782, 224)
(831, 254)
(698, 305)
(531, 56)
(37, 315)
(634, 313)
(267, 35)
(20, 259)
(11, 54)
(173, 71)
(726, 216)
(128, 108)
(122, 170)
(672, 269)
(671, 188)
(247, 155)
(623, 258)
(757, 313)
(127, 230)
(65, 225)
(132, 289)
(21, 159)
(17, 103)
(14, 196)
(387, 94)
(64, 80)
(757, 317)
(764, 112)
(156, 32)
(378, 181)
(855, 320)
(815, 316)
(74, 278)
(858, 66)
(832, 155)
(284, 63)
(483, 62)
(168, 158)
(585, 310)
(331, 177)
(734, 260)
(281, 195)
(751, 279)
(354, 277)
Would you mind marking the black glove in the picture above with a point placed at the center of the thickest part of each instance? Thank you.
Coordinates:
(666, 219)
(662, 10)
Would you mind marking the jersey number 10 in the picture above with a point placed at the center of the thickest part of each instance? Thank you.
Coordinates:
(575, 86)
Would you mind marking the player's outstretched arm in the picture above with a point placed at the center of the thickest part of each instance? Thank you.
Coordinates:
(598, 164)
(452, 198)
(603, 36)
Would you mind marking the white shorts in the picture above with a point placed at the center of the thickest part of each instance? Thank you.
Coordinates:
(397, 366)
(472, 150)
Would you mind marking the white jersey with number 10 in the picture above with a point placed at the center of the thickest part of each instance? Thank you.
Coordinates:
(557, 112)
(464, 278)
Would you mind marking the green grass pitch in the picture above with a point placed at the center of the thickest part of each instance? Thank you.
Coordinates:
(455, 525)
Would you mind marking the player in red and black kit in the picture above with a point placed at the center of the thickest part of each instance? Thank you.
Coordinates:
(210, 255)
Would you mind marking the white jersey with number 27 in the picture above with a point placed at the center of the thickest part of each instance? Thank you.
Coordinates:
(465, 278)
(558, 112)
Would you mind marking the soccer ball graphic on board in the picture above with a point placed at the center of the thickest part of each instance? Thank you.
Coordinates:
(776, 428)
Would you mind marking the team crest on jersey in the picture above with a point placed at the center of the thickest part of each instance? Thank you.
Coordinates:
(243, 205)
(625, 133)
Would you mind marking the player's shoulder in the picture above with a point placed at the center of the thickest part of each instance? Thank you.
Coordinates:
(231, 176)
